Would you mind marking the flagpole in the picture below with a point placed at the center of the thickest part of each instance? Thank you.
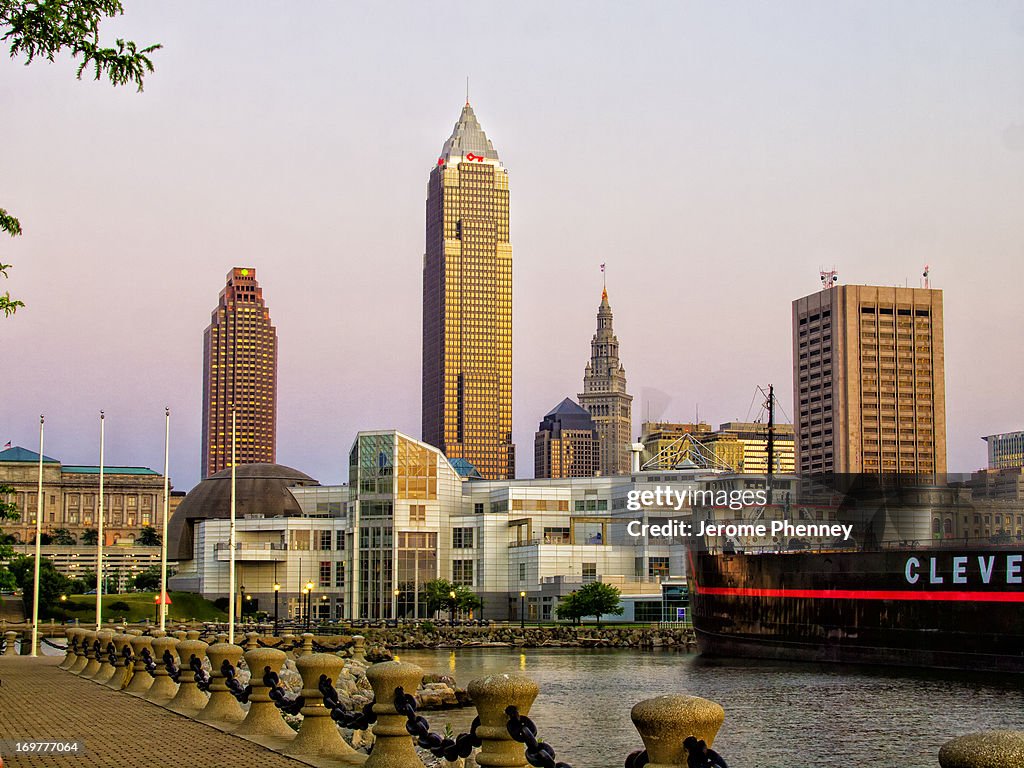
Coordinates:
(99, 539)
(39, 544)
(231, 540)
(163, 539)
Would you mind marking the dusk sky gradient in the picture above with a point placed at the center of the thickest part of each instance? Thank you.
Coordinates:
(714, 155)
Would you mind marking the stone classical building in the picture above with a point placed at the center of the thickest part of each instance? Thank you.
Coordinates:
(604, 395)
(467, 304)
(566, 443)
(133, 498)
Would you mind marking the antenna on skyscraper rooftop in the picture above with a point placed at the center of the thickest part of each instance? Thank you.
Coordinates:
(829, 278)
(925, 280)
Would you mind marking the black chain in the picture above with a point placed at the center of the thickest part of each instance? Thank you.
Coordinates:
(327, 649)
(539, 754)
(438, 745)
(172, 670)
(54, 645)
(149, 661)
(112, 654)
(637, 759)
(239, 691)
(278, 696)
(129, 657)
(698, 755)
(356, 721)
(200, 675)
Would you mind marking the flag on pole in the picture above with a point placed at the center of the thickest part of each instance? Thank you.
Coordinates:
(602, 267)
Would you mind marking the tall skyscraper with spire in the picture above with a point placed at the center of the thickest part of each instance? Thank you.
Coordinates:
(467, 304)
(240, 375)
(604, 395)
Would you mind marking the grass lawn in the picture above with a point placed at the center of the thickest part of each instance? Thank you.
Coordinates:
(184, 606)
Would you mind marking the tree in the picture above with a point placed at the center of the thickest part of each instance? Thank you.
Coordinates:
(568, 608)
(148, 537)
(439, 594)
(52, 583)
(40, 29)
(8, 511)
(597, 599)
(90, 536)
(467, 601)
(148, 580)
(62, 537)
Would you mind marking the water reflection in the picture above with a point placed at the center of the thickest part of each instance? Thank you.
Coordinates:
(777, 715)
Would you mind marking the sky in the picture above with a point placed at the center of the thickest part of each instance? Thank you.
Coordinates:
(714, 155)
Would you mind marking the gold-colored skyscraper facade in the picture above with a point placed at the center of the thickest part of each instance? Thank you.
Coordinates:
(467, 304)
(869, 380)
(240, 375)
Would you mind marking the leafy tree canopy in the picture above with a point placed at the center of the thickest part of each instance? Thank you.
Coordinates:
(148, 537)
(90, 536)
(595, 599)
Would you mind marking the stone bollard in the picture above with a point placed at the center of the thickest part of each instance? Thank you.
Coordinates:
(665, 721)
(11, 637)
(96, 645)
(71, 637)
(318, 734)
(307, 645)
(122, 670)
(359, 648)
(189, 699)
(84, 644)
(163, 687)
(141, 679)
(990, 749)
(264, 721)
(252, 641)
(222, 707)
(392, 747)
(491, 696)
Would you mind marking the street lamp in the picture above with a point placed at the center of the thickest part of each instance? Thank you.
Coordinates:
(452, 596)
(522, 610)
(277, 591)
(323, 602)
(309, 604)
(241, 606)
(302, 605)
(397, 594)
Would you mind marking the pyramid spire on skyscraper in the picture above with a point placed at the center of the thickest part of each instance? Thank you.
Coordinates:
(468, 140)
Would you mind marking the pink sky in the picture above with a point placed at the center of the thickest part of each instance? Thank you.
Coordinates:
(715, 157)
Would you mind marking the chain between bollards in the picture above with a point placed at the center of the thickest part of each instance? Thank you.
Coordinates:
(539, 754)
(149, 661)
(278, 696)
(201, 676)
(239, 691)
(438, 745)
(356, 721)
(173, 670)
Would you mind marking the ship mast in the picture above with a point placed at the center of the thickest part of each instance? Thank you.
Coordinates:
(771, 439)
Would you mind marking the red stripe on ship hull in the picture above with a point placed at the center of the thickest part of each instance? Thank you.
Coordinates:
(866, 594)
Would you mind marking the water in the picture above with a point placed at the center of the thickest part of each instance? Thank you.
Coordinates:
(776, 715)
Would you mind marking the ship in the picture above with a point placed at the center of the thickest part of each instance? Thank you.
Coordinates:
(917, 584)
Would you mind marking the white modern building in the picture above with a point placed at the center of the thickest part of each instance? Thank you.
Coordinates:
(410, 515)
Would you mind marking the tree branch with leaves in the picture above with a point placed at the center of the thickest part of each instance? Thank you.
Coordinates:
(41, 29)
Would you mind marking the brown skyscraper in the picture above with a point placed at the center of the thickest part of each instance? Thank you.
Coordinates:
(566, 443)
(467, 305)
(240, 373)
(869, 380)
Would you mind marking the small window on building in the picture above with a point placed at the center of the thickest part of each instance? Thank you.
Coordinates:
(589, 573)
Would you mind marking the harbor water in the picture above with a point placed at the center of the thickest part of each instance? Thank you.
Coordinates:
(777, 715)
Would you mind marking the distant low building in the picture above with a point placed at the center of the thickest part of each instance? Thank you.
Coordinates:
(1006, 450)
(133, 498)
(567, 443)
(735, 446)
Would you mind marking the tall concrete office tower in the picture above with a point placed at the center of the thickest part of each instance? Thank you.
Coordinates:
(467, 304)
(604, 395)
(240, 375)
(869, 380)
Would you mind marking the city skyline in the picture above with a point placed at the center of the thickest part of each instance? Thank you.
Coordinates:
(915, 158)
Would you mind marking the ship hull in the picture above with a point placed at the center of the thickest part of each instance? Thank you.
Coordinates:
(915, 608)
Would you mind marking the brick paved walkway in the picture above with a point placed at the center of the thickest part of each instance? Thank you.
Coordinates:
(40, 701)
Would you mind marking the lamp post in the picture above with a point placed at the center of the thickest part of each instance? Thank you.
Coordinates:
(522, 610)
(277, 591)
(309, 604)
(394, 609)
(241, 606)
(323, 604)
(451, 594)
(302, 605)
